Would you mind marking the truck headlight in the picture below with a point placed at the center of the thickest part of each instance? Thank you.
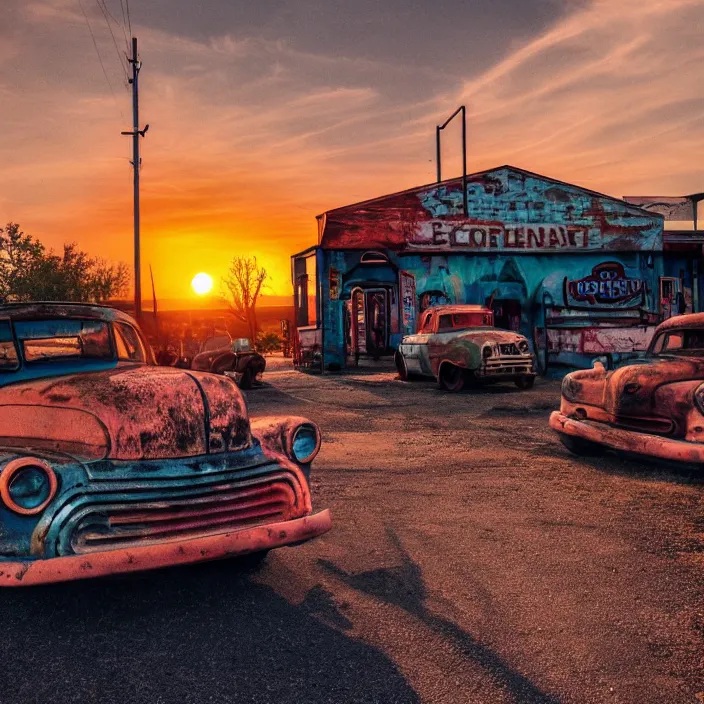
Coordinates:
(27, 485)
(305, 443)
(523, 347)
(486, 351)
(570, 389)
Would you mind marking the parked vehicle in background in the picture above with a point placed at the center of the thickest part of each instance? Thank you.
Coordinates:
(234, 358)
(653, 407)
(109, 463)
(459, 345)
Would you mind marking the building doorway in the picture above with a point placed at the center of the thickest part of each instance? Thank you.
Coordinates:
(507, 313)
(368, 316)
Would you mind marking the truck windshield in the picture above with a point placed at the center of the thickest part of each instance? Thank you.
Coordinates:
(56, 340)
(683, 342)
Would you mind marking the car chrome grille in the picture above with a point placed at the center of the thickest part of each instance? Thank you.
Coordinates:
(509, 349)
(173, 515)
(507, 364)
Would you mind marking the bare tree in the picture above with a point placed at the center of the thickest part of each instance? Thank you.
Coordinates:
(243, 285)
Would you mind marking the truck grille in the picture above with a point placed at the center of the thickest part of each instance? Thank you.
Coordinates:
(509, 349)
(653, 426)
(217, 508)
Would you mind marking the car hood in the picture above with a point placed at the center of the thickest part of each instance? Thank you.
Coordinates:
(480, 336)
(129, 413)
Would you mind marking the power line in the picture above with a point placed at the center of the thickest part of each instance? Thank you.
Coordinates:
(107, 15)
(124, 24)
(129, 21)
(100, 58)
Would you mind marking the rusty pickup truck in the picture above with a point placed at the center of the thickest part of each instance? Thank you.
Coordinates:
(111, 464)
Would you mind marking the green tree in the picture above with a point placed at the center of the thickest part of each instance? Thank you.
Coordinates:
(28, 272)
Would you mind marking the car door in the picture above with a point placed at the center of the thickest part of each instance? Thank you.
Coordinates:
(415, 347)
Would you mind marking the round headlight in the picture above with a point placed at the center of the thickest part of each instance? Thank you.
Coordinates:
(486, 351)
(305, 443)
(27, 485)
(699, 398)
(523, 346)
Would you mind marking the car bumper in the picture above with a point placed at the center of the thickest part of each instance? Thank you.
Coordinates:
(166, 554)
(628, 441)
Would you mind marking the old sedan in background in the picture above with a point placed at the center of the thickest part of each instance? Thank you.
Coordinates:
(653, 408)
(458, 344)
(234, 358)
(111, 464)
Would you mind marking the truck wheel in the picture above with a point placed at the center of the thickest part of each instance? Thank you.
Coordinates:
(401, 366)
(524, 382)
(246, 380)
(580, 446)
(451, 378)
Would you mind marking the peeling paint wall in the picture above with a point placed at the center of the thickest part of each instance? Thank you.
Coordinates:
(540, 250)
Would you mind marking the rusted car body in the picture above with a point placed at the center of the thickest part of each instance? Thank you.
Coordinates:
(111, 464)
(651, 408)
(234, 358)
(458, 344)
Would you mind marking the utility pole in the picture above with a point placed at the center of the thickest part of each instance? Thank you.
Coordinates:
(136, 133)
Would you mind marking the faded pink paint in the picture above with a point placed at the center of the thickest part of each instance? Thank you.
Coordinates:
(145, 412)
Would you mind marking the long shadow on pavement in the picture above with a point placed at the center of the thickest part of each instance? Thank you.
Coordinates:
(207, 633)
(403, 587)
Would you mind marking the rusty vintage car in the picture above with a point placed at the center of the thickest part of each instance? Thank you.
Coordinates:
(653, 407)
(234, 358)
(111, 464)
(458, 344)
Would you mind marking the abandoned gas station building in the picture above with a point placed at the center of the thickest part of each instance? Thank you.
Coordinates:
(580, 273)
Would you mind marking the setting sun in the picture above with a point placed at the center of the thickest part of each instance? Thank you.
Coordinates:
(202, 283)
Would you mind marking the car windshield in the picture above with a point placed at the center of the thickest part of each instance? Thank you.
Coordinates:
(216, 343)
(56, 340)
(456, 321)
(683, 342)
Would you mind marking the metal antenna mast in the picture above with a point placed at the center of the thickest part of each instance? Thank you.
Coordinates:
(438, 152)
(136, 133)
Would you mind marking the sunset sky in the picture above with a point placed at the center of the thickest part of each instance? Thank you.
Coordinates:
(264, 114)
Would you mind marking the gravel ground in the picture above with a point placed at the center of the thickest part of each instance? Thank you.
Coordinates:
(471, 560)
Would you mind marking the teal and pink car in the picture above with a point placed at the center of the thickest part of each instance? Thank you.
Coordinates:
(110, 464)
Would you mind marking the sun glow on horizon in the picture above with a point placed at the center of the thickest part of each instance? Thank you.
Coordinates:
(202, 283)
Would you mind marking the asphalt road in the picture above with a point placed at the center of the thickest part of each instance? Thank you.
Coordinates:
(471, 560)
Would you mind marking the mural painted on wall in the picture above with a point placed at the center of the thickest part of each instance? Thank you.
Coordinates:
(510, 210)
(607, 285)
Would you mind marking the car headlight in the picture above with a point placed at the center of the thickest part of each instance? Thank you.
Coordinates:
(523, 346)
(699, 398)
(305, 443)
(27, 485)
(486, 351)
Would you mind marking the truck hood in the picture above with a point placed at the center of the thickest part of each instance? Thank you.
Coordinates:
(128, 413)
(659, 389)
